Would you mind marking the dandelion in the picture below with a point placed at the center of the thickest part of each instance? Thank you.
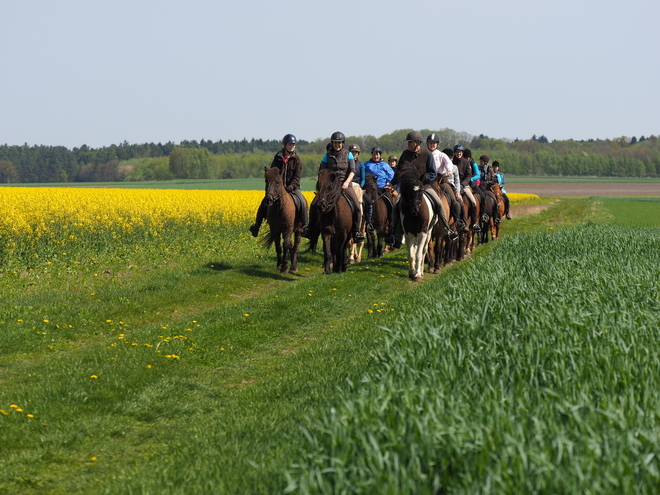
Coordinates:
(19, 409)
(148, 366)
(46, 321)
(370, 311)
(94, 377)
(246, 314)
(93, 459)
(14, 406)
(3, 412)
(30, 415)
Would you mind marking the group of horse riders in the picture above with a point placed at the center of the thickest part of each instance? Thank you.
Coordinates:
(453, 170)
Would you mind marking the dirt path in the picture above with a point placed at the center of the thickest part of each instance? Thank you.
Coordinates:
(558, 189)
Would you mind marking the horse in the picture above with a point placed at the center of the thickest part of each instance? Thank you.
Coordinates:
(441, 248)
(495, 229)
(381, 218)
(487, 222)
(283, 220)
(418, 219)
(335, 221)
(472, 237)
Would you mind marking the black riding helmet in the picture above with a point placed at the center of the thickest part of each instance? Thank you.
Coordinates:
(459, 147)
(338, 136)
(433, 138)
(289, 138)
(376, 149)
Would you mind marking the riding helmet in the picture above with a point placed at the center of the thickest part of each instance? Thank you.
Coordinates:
(289, 138)
(376, 149)
(414, 136)
(392, 158)
(354, 147)
(338, 136)
(433, 138)
(459, 147)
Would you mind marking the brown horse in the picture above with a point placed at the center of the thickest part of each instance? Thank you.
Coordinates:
(283, 220)
(441, 248)
(487, 222)
(335, 220)
(495, 229)
(472, 237)
(417, 219)
(381, 219)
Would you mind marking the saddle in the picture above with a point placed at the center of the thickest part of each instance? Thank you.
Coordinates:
(298, 203)
(350, 203)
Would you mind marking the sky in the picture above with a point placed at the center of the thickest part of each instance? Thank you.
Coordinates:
(92, 72)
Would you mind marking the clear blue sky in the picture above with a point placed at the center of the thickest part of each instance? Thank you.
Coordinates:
(95, 72)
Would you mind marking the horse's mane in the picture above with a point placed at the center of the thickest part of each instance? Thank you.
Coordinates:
(272, 174)
(328, 186)
(408, 181)
(371, 186)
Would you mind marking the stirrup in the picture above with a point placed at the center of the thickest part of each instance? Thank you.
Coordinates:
(370, 227)
(497, 221)
(452, 235)
(476, 228)
(358, 237)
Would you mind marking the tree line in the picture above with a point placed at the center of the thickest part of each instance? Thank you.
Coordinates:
(205, 159)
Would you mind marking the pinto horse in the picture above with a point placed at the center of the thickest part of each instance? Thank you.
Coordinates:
(283, 220)
(418, 219)
(335, 220)
(381, 219)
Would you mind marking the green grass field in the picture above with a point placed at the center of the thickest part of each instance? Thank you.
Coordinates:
(529, 367)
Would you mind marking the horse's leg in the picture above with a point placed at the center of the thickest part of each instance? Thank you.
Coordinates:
(297, 237)
(327, 253)
(353, 252)
(278, 250)
(288, 248)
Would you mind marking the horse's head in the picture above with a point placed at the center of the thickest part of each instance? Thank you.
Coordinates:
(371, 185)
(411, 192)
(274, 185)
(329, 190)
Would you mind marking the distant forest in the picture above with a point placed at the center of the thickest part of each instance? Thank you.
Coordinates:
(620, 157)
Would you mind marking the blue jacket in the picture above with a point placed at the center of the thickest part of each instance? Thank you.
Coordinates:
(500, 180)
(360, 175)
(381, 170)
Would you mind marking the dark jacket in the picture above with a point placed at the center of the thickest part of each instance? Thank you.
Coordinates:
(464, 170)
(293, 169)
(410, 159)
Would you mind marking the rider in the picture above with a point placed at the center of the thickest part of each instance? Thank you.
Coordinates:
(465, 173)
(285, 159)
(417, 158)
(339, 159)
(488, 179)
(500, 179)
(393, 161)
(443, 167)
(383, 173)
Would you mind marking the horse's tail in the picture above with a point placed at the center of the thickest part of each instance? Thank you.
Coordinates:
(313, 238)
(268, 239)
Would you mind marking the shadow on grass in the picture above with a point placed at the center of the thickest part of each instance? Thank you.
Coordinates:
(258, 271)
(218, 266)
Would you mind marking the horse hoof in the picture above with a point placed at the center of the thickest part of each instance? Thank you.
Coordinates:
(436, 270)
(418, 278)
(351, 261)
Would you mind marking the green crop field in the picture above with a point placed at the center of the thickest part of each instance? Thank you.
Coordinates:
(193, 366)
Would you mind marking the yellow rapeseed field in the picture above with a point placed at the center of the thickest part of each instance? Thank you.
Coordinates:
(38, 222)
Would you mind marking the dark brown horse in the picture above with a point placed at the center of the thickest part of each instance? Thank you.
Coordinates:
(487, 217)
(381, 219)
(335, 221)
(418, 220)
(283, 220)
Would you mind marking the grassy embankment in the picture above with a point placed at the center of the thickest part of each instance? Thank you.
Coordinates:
(191, 372)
